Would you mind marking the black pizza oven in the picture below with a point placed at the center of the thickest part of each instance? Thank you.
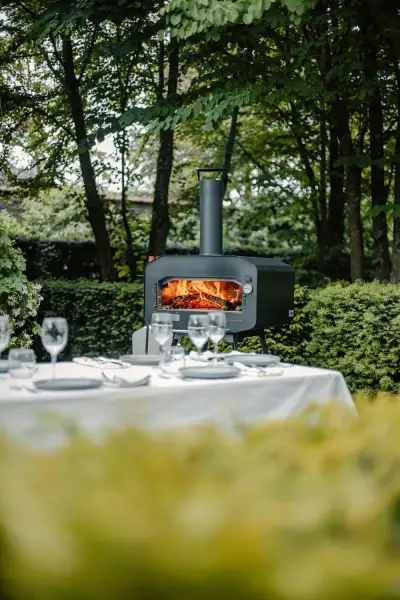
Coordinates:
(254, 292)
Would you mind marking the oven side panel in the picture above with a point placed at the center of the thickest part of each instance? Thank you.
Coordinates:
(275, 302)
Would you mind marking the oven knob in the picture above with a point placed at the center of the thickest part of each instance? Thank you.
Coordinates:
(247, 288)
(247, 278)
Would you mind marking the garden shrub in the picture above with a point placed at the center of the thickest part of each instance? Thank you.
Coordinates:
(101, 316)
(19, 298)
(356, 330)
(306, 509)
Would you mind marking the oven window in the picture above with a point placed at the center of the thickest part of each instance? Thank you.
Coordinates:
(200, 294)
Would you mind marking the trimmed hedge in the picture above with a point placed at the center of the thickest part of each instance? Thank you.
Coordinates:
(101, 316)
(356, 329)
(306, 509)
(352, 328)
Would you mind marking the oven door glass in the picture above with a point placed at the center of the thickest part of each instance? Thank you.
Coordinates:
(200, 294)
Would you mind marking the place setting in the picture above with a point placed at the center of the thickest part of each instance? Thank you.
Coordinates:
(21, 369)
(172, 361)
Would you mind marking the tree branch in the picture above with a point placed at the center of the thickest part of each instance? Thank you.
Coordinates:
(88, 53)
(52, 68)
(52, 118)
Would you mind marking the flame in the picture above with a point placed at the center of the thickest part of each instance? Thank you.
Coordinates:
(201, 294)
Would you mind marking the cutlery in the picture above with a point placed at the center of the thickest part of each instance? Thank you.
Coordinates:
(113, 361)
(256, 370)
(23, 387)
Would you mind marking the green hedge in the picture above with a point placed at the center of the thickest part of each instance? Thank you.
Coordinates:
(356, 329)
(352, 328)
(101, 316)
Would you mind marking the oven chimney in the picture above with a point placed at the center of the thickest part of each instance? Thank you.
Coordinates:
(211, 201)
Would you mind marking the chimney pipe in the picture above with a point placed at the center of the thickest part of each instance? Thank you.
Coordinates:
(211, 228)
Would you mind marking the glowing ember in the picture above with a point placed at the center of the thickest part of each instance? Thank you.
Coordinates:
(201, 295)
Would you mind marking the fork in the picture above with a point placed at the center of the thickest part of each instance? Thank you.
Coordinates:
(24, 387)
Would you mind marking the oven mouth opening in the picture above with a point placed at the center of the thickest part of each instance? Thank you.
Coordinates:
(200, 294)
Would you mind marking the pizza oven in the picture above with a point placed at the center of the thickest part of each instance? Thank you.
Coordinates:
(253, 292)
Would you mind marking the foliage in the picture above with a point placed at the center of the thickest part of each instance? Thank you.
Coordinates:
(187, 19)
(59, 260)
(356, 330)
(101, 316)
(19, 298)
(305, 509)
(55, 215)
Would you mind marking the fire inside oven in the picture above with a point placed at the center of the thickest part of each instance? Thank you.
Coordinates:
(200, 294)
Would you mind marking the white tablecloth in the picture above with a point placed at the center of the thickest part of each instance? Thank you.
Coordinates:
(165, 403)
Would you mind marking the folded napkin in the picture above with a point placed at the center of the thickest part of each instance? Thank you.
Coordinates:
(125, 380)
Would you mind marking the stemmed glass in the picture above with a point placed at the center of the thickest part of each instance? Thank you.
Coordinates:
(4, 332)
(197, 331)
(54, 336)
(161, 326)
(216, 327)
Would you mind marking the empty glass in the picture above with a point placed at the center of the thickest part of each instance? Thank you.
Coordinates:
(174, 360)
(54, 336)
(22, 365)
(4, 332)
(161, 326)
(216, 327)
(197, 331)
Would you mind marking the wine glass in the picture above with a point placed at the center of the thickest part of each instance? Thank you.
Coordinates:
(54, 336)
(174, 360)
(216, 327)
(161, 326)
(22, 364)
(4, 332)
(197, 331)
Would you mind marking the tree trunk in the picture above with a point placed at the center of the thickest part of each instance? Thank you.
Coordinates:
(336, 204)
(322, 185)
(353, 197)
(395, 275)
(160, 214)
(352, 193)
(130, 254)
(229, 148)
(312, 180)
(94, 204)
(378, 189)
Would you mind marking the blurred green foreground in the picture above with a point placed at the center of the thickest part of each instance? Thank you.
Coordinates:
(303, 510)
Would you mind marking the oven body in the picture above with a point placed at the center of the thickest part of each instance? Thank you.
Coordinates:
(254, 292)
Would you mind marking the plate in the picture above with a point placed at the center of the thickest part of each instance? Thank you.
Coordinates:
(4, 366)
(209, 372)
(257, 360)
(141, 359)
(67, 384)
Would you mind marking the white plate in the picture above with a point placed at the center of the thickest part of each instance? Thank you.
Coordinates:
(67, 384)
(209, 372)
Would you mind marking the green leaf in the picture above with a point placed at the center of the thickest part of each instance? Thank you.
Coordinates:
(175, 18)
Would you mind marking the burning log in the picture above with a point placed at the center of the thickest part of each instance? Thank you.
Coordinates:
(214, 299)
